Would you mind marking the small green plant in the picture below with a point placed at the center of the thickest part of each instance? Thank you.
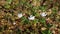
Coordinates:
(35, 21)
(46, 32)
(24, 20)
(43, 8)
(49, 25)
(21, 2)
(43, 21)
(54, 10)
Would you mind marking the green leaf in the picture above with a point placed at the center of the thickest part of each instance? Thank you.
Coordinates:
(34, 10)
(43, 21)
(24, 20)
(54, 10)
(37, 14)
(49, 25)
(35, 21)
(47, 31)
(43, 8)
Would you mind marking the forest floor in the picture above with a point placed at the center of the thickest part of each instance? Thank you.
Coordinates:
(29, 17)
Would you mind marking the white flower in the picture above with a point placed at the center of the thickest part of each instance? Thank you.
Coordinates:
(20, 15)
(43, 14)
(14, 23)
(31, 17)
